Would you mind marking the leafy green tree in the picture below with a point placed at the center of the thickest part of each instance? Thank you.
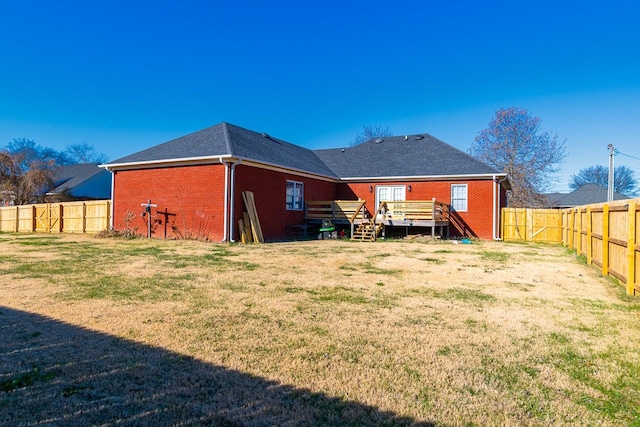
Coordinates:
(624, 178)
(514, 143)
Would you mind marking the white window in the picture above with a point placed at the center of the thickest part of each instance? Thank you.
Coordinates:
(459, 197)
(295, 196)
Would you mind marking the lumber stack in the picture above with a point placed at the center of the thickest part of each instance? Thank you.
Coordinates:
(249, 225)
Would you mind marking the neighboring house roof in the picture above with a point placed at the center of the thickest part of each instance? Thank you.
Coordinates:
(405, 156)
(400, 156)
(585, 195)
(86, 180)
(227, 140)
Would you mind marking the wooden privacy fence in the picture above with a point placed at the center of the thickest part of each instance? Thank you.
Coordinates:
(606, 234)
(67, 217)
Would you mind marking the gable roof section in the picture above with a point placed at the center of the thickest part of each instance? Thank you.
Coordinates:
(85, 180)
(403, 156)
(227, 140)
(585, 195)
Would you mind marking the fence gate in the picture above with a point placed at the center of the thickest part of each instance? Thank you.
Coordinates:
(532, 225)
(48, 218)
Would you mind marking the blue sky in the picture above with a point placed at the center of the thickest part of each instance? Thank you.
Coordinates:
(126, 75)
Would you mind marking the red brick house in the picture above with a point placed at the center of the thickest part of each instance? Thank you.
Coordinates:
(197, 181)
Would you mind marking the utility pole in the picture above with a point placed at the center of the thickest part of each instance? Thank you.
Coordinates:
(611, 175)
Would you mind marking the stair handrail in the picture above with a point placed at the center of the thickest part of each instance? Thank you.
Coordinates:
(357, 211)
(381, 207)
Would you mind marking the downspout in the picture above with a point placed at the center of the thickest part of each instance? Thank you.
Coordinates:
(233, 190)
(494, 180)
(496, 214)
(226, 199)
(113, 187)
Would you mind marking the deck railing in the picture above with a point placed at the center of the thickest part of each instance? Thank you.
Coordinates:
(335, 210)
(414, 210)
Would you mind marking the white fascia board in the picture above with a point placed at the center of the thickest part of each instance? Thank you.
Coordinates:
(215, 159)
(425, 178)
(168, 162)
(294, 171)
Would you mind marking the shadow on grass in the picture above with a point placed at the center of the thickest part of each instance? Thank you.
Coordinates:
(54, 373)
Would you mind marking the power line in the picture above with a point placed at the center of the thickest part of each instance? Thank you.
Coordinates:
(627, 155)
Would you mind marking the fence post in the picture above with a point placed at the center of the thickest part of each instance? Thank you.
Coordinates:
(17, 218)
(572, 219)
(631, 248)
(589, 237)
(84, 217)
(605, 240)
(579, 228)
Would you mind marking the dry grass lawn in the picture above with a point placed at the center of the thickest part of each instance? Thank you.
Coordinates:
(137, 332)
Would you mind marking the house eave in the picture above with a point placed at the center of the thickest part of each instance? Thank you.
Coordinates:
(424, 178)
(193, 161)
(294, 171)
(186, 161)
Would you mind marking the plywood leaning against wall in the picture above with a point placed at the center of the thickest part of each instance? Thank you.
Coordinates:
(70, 217)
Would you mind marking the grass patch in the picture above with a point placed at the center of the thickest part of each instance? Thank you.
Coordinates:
(494, 256)
(366, 327)
(436, 261)
(464, 295)
(36, 241)
(25, 379)
(154, 288)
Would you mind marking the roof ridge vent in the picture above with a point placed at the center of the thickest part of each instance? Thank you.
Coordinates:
(419, 137)
(379, 140)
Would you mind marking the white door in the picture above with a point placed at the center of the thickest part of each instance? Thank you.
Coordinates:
(390, 193)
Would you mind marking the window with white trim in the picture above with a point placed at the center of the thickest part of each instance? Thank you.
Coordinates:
(459, 197)
(295, 196)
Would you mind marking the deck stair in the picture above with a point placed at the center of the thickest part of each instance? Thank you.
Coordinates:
(367, 232)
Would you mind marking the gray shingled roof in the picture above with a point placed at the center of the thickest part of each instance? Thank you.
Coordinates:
(585, 195)
(86, 180)
(411, 155)
(399, 156)
(227, 139)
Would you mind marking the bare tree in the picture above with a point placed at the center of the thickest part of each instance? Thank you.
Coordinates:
(624, 179)
(84, 153)
(23, 181)
(513, 143)
(371, 132)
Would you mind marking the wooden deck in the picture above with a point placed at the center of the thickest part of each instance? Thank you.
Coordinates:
(409, 213)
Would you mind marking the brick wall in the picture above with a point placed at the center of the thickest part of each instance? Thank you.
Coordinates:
(195, 194)
(477, 221)
(269, 190)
